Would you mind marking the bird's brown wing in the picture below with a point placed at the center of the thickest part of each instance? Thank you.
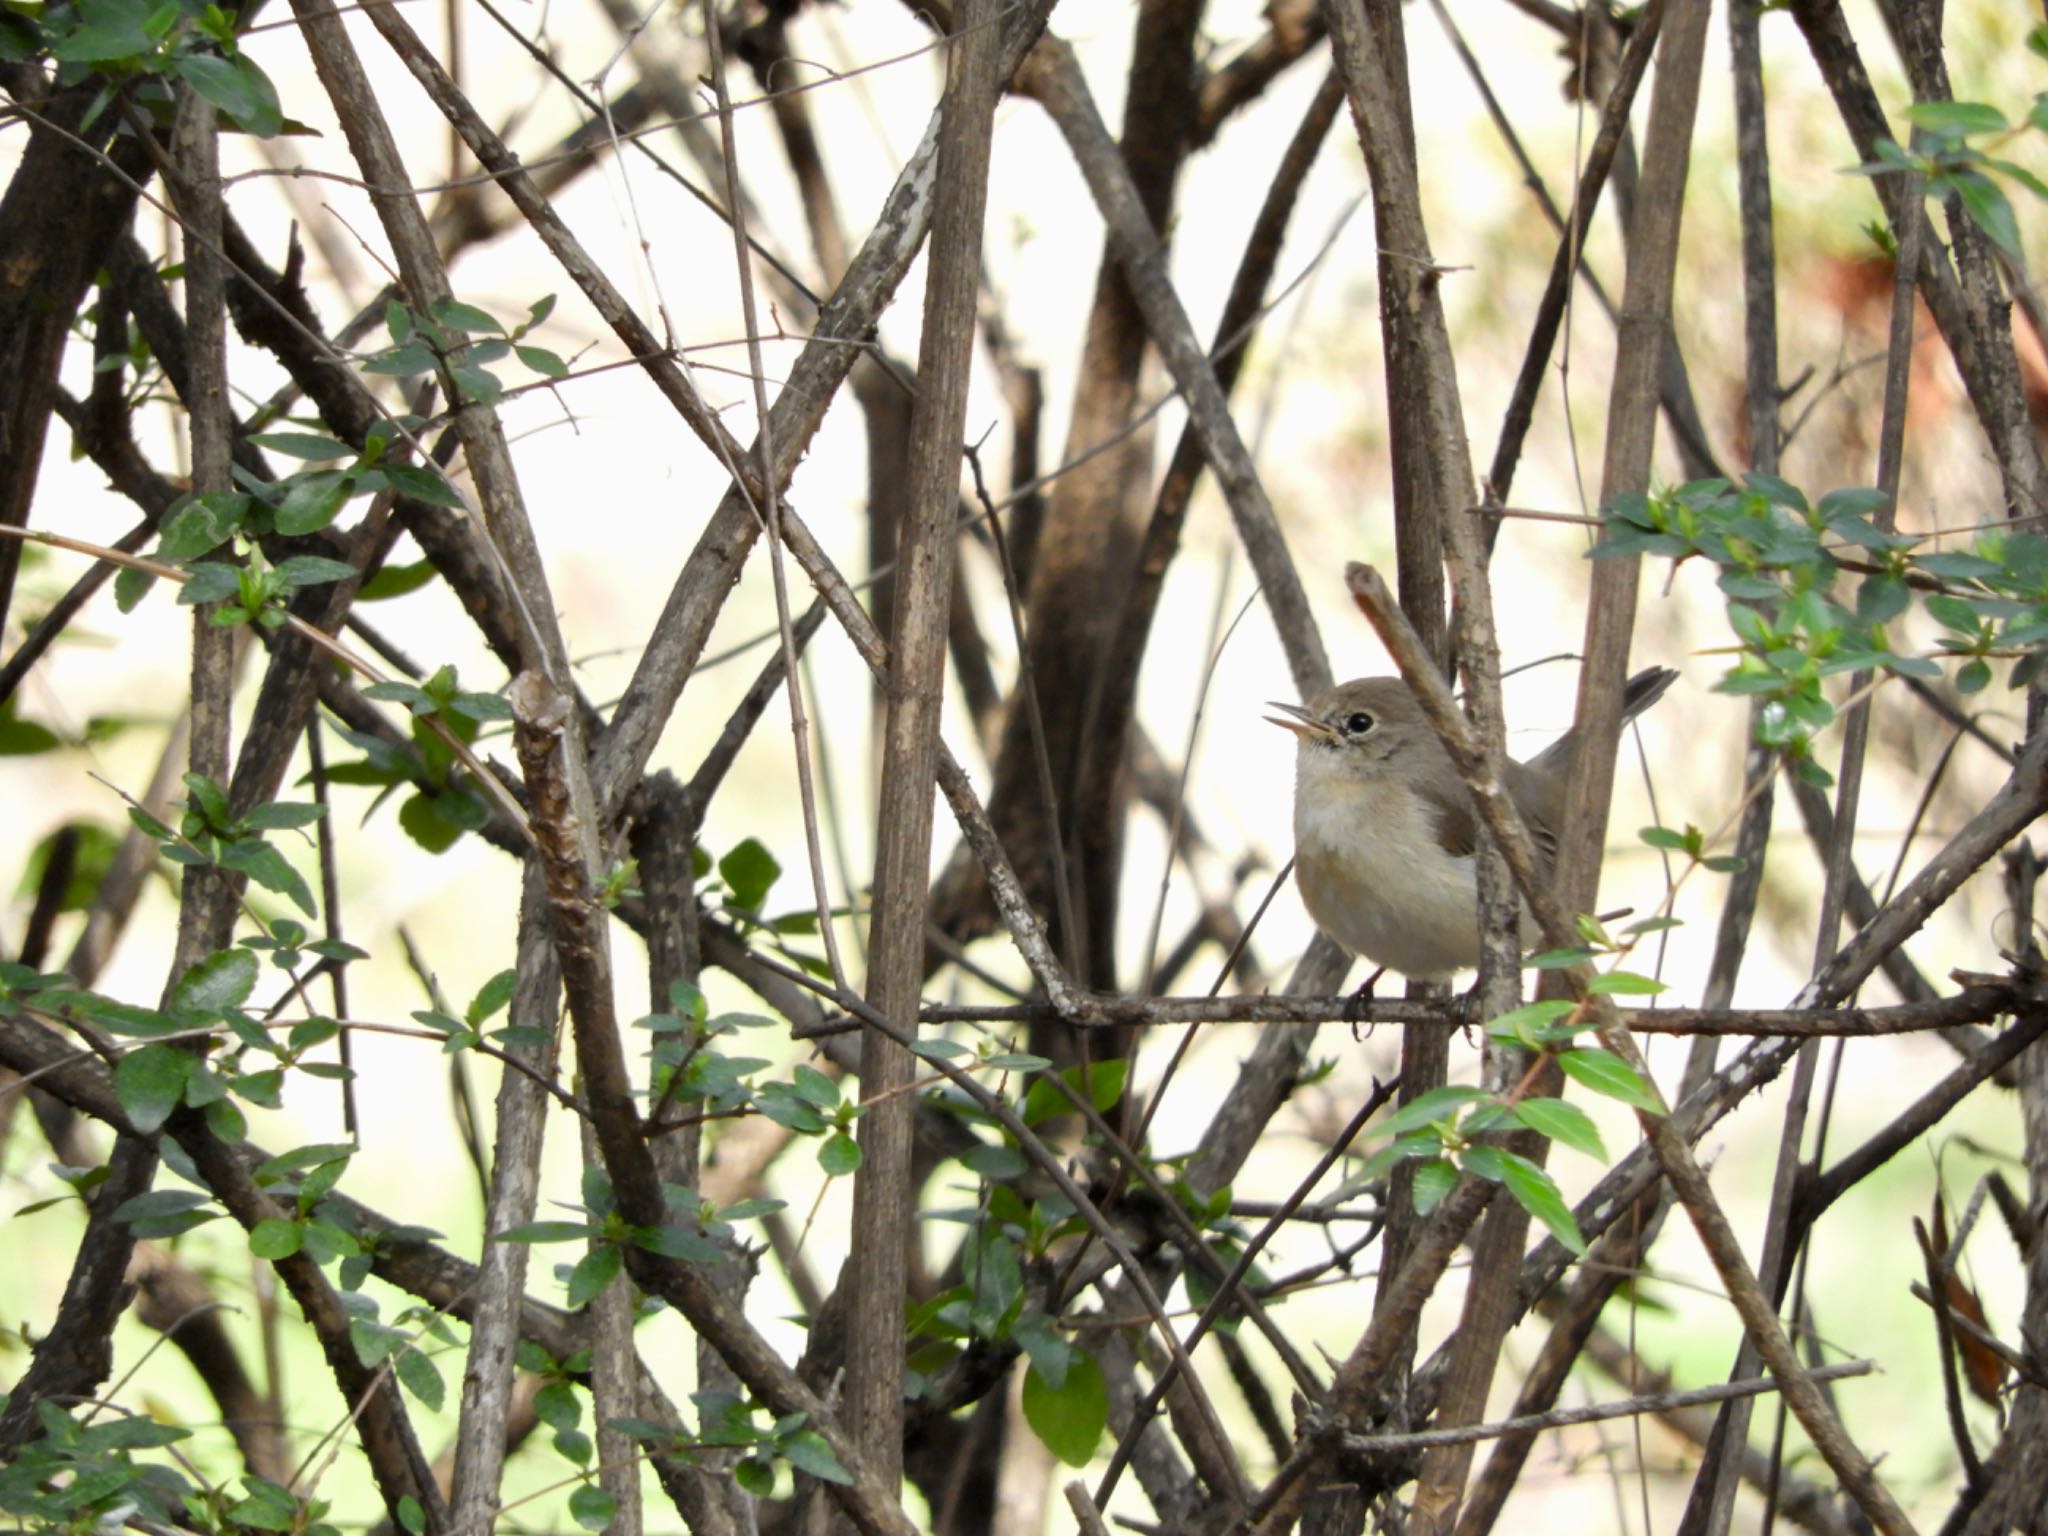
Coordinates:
(1540, 797)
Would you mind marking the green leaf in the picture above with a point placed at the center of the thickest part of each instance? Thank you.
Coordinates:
(282, 815)
(1659, 924)
(109, 32)
(1956, 119)
(155, 1204)
(1557, 959)
(1105, 1086)
(131, 587)
(423, 485)
(814, 1087)
(749, 871)
(401, 362)
(287, 1164)
(223, 980)
(481, 706)
(24, 738)
(1562, 1122)
(1434, 1180)
(303, 445)
(1039, 1337)
(396, 581)
(412, 1516)
(421, 1377)
(1973, 676)
(1624, 984)
(557, 1406)
(479, 383)
(1530, 1017)
(149, 1083)
(1664, 837)
(591, 1507)
(465, 317)
(1536, 1192)
(542, 361)
(1608, 1075)
(275, 1238)
(1881, 599)
(267, 1508)
(998, 1162)
(425, 824)
(807, 1451)
(593, 1272)
(313, 571)
(676, 1243)
(237, 87)
(198, 527)
(491, 996)
(545, 1232)
(269, 869)
(1068, 1419)
(209, 582)
(1851, 502)
(1957, 565)
(1989, 209)
(839, 1156)
(1428, 1108)
(411, 695)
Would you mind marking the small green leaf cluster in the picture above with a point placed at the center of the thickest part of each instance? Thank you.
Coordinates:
(1691, 842)
(686, 1066)
(301, 1180)
(444, 803)
(999, 1303)
(444, 341)
(1948, 164)
(23, 985)
(309, 500)
(77, 1475)
(146, 45)
(209, 834)
(180, 1066)
(728, 1421)
(153, 1081)
(691, 1230)
(397, 1344)
(1781, 559)
(491, 999)
(241, 520)
(810, 1104)
(1442, 1129)
(263, 1506)
(442, 695)
(1224, 1236)
(247, 586)
(559, 1406)
(1439, 1131)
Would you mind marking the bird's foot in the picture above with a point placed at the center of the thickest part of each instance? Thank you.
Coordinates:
(1465, 1010)
(1354, 1009)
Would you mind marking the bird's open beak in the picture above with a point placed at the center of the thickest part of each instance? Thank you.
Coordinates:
(1304, 724)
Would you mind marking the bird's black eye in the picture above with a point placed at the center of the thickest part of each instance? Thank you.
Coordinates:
(1357, 723)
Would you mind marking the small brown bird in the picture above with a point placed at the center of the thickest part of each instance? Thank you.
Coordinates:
(1384, 829)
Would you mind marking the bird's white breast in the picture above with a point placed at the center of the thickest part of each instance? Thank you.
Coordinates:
(1374, 876)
